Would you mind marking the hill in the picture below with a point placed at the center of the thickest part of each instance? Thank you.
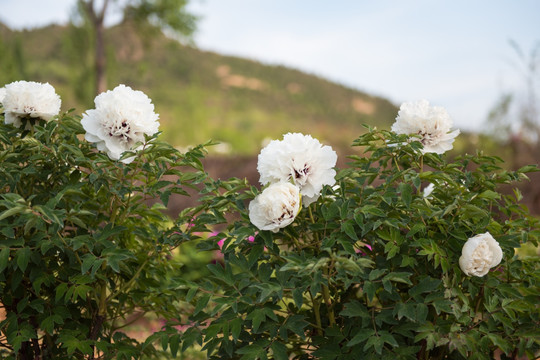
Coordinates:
(199, 95)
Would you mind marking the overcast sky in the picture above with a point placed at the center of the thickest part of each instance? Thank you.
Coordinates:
(454, 53)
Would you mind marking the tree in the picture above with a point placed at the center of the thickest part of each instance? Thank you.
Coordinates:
(515, 117)
(165, 15)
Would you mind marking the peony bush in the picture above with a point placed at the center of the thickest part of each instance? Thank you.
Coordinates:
(403, 254)
(83, 252)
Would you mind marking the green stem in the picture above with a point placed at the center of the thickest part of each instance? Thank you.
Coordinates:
(328, 302)
(102, 308)
(131, 281)
(315, 307)
(396, 163)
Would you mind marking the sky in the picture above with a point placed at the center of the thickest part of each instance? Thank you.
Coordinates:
(456, 54)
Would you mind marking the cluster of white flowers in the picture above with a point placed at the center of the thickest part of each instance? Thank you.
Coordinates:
(299, 161)
(432, 123)
(479, 254)
(120, 120)
(29, 99)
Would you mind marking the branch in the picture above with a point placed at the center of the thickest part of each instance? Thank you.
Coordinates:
(103, 10)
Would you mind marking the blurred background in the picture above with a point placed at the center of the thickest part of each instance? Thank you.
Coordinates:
(243, 72)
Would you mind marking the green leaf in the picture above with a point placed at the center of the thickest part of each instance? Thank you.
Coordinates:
(60, 291)
(426, 284)
(372, 210)
(87, 261)
(22, 256)
(298, 296)
(174, 344)
(252, 352)
(279, 351)
(201, 303)
(406, 194)
(490, 195)
(401, 277)
(407, 310)
(13, 211)
(4, 258)
(236, 328)
(255, 254)
(376, 342)
(355, 309)
(327, 351)
(190, 336)
(257, 316)
(48, 323)
(498, 341)
(369, 289)
(362, 335)
(376, 273)
(348, 228)
(296, 323)
(388, 338)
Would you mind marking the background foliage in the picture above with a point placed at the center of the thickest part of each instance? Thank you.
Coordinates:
(201, 95)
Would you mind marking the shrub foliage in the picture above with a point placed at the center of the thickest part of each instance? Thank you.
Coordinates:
(81, 248)
(369, 271)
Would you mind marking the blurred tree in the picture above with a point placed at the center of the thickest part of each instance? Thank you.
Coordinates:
(169, 16)
(515, 118)
(12, 59)
(77, 48)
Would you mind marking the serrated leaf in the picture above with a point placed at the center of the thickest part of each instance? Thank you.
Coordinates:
(361, 336)
(257, 316)
(279, 351)
(426, 284)
(354, 309)
(60, 291)
(201, 304)
(236, 328)
(87, 262)
(298, 297)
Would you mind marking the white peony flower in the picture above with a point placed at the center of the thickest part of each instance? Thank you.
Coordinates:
(299, 158)
(428, 190)
(29, 99)
(276, 207)
(479, 254)
(121, 118)
(2, 94)
(432, 123)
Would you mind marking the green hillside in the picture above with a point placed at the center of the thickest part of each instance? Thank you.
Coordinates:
(199, 95)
